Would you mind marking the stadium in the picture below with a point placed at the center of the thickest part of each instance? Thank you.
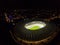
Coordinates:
(33, 29)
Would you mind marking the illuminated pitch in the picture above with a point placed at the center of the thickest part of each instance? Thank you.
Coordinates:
(35, 25)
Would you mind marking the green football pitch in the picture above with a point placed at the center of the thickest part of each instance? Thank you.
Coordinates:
(35, 28)
(35, 25)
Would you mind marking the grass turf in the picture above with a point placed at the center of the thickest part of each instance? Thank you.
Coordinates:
(35, 28)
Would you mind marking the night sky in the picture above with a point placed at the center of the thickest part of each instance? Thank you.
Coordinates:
(30, 4)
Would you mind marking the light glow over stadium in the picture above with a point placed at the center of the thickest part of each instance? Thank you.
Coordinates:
(35, 25)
